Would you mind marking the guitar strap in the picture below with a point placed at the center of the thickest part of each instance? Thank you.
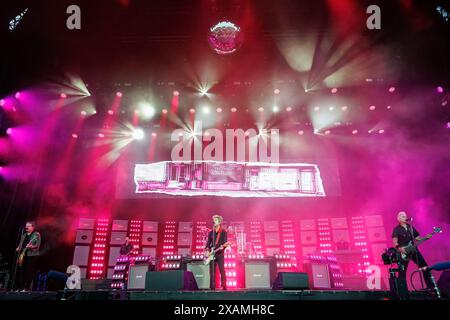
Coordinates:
(218, 236)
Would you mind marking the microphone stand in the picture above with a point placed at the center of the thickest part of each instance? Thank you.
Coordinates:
(16, 257)
(213, 260)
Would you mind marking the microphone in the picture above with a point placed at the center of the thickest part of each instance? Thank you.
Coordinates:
(409, 219)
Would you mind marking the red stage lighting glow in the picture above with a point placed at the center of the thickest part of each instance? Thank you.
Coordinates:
(9, 131)
(17, 95)
(381, 131)
(260, 109)
(176, 93)
(334, 90)
(118, 94)
(355, 131)
(2, 103)
(388, 107)
(110, 112)
(391, 89)
(439, 89)
(219, 110)
(83, 113)
(233, 110)
(371, 108)
(63, 96)
(327, 132)
(192, 110)
(154, 134)
(101, 135)
(164, 111)
(301, 132)
(75, 136)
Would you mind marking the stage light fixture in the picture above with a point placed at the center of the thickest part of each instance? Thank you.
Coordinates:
(344, 108)
(334, 90)
(440, 89)
(381, 131)
(327, 132)
(219, 110)
(154, 134)
(392, 89)
(147, 110)
(101, 135)
(176, 93)
(261, 109)
(301, 132)
(17, 95)
(192, 110)
(118, 94)
(75, 136)
(13, 24)
(138, 134)
(317, 108)
(2, 103)
(164, 111)
(63, 96)
(355, 131)
(371, 108)
(205, 110)
(276, 91)
(83, 113)
(110, 112)
(289, 109)
(275, 109)
(9, 131)
(233, 109)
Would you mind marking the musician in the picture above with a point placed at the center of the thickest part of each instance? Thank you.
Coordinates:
(29, 244)
(127, 248)
(216, 238)
(404, 234)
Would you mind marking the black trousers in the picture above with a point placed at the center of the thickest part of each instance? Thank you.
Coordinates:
(220, 262)
(27, 273)
(419, 260)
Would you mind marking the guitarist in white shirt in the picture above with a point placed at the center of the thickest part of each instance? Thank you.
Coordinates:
(403, 235)
(216, 239)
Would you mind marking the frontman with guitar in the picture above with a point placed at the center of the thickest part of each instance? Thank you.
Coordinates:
(28, 253)
(217, 239)
(404, 237)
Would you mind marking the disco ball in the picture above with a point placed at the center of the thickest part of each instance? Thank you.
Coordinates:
(225, 37)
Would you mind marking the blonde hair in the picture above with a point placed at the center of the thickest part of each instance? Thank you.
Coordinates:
(218, 217)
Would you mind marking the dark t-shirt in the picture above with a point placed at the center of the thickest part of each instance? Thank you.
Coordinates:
(26, 240)
(126, 248)
(403, 235)
(213, 238)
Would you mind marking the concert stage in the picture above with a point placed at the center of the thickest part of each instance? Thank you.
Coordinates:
(241, 295)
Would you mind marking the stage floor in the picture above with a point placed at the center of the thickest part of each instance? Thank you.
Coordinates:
(209, 295)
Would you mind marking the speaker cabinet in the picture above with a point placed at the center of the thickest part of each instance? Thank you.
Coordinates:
(257, 275)
(201, 274)
(320, 276)
(136, 277)
(81, 255)
(84, 236)
(291, 281)
(170, 280)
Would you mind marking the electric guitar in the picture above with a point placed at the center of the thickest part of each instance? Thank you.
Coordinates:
(211, 255)
(410, 249)
(23, 254)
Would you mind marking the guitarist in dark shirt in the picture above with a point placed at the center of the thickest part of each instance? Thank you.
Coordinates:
(403, 235)
(28, 251)
(217, 238)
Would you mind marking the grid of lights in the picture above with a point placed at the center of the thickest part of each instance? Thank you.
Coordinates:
(98, 250)
(200, 237)
(169, 238)
(360, 242)
(255, 236)
(135, 235)
(324, 235)
(231, 270)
